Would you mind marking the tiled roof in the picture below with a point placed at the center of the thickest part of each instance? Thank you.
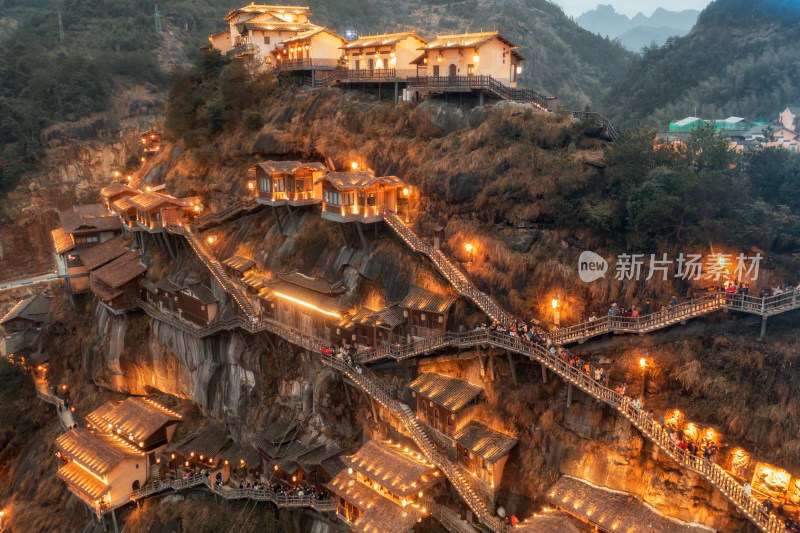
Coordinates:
(208, 441)
(320, 285)
(279, 431)
(378, 514)
(102, 254)
(274, 26)
(332, 465)
(96, 417)
(388, 317)
(201, 293)
(425, 300)
(612, 510)
(255, 280)
(239, 263)
(451, 393)
(117, 188)
(316, 456)
(62, 241)
(311, 33)
(98, 452)
(167, 286)
(264, 8)
(290, 167)
(358, 180)
(137, 418)
(287, 455)
(123, 204)
(151, 200)
(361, 316)
(551, 521)
(33, 308)
(237, 453)
(313, 299)
(383, 39)
(88, 217)
(393, 469)
(121, 270)
(487, 443)
(465, 40)
(82, 482)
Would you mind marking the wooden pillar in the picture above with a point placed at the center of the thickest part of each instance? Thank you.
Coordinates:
(544, 374)
(513, 370)
(344, 236)
(491, 364)
(379, 90)
(291, 214)
(374, 410)
(313, 78)
(277, 219)
(165, 237)
(114, 521)
(482, 363)
(346, 392)
(396, 93)
(569, 394)
(480, 98)
(361, 235)
(763, 326)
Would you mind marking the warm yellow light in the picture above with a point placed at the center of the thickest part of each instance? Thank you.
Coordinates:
(116, 173)
(440, 59)
(476, 58)
(148, 188)
(554, 303)
(468, 247)
(210, 239)
(276, 467)
(404, 502)
(173, 456)
(101, 480)
(187, 463)
(642, 362)
(197, 208)
(141, 444)
(405, 191)
(251, 185)
(420, 494)
(129, 178)
(519, 70)
(191, 454)
(294, 478)
(226, 462)
(143, 160)
(354, 165)
(306, 304)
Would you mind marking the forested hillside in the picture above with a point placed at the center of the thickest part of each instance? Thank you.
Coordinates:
(740, 59)
(48, 77)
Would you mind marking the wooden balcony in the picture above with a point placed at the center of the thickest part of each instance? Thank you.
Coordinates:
(294, 199)
(241, 50)
(307, 63)
(351, 213)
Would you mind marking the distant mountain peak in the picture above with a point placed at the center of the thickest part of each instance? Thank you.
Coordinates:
(633, 32)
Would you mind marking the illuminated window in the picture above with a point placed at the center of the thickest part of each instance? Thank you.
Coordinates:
(470, 70)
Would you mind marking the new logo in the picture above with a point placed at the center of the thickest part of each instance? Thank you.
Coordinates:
(591, 267)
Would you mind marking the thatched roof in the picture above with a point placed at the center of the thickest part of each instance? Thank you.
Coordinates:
(485, 442)
(424, 300)
(378, 514)
(451, 393)
(101, 254)
(239, 263)
(100, 453)
(612, 510)
(62, 241)
(33, 308)
(392, 468)
(137, 418)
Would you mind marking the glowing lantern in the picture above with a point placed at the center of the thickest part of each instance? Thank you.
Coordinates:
(519, 70)
(405, 191)
(210, 239)
(642, 362)
(148, 188)
(354, 165)
(476, 58)
(468, 247)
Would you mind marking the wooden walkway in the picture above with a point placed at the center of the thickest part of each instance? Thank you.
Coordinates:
(44, 393)
(679, 314)
(229, 493)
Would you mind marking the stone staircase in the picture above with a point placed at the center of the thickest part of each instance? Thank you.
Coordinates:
(453, 275)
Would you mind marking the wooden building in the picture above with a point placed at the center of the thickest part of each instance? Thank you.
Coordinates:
(443, 402)
(359, 196)
(203, 448)
(78, 266)
(427, 312)
(144, 423)
(380, 328)
(320, 465)
(116, 284)
(236, 266)
(255, 30)
(472, 54)
(347, 326)
(383, 56)
(154, 210)
(380, 488)
(312, 49)
(87, 225)
(310, 305)
(101, 469)
(483, 452)
(242, 457)
(197, 303)
(287, 182)
(283, 463)
(116, 191)
(29, 313)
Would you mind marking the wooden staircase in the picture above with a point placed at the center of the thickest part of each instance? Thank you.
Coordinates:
(680, 313)
(453, 275)
(234, 209)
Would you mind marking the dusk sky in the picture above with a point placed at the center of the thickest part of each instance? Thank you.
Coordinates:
(630, 7)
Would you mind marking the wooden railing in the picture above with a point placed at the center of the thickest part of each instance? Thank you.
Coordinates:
(199, 247)
(241, 49)
(456, 278)
(306, 62)
(678, 313)
(485, 83)
(601, 121)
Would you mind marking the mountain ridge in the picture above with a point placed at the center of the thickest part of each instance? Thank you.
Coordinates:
(632, 32)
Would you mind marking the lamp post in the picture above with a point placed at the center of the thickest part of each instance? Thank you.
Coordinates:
(471, 249)
(556, 303)
(643, 365)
